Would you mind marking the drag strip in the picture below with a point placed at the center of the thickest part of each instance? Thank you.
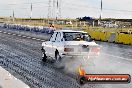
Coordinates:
(21, 56)
(19, 35)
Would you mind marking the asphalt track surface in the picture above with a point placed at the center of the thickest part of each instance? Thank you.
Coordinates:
(20, 54)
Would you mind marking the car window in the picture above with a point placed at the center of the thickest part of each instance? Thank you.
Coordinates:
(53, 37)
(58, 37)
(76, 36)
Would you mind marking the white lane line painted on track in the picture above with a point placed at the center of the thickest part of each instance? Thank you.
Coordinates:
(19, 35)
(13, 34)
(43, 40)
(24, 36)
(4, 32)
(118, 57)
(9, 33)
(38, 39)
(33, 38)
(28, 37)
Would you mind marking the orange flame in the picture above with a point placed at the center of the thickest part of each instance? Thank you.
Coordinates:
(81, 71)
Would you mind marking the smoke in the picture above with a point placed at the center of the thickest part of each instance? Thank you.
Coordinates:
(90, 62)
(71, 64)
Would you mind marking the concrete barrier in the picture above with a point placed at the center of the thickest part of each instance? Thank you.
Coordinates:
(9, 81)
(111, 36)
(124, 38)
(97, 35)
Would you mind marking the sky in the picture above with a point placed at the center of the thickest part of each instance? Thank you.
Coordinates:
(69, 8)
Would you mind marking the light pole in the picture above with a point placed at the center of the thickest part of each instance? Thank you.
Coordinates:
(31, 12)
(101, 10)
(13, 16)
(100, 17)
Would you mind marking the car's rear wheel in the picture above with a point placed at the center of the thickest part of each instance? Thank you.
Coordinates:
(58, 61)
(57, 56)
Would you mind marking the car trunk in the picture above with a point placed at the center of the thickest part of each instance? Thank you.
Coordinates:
(81, 47)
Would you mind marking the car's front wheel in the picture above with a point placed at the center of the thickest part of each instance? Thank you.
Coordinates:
(44, 55)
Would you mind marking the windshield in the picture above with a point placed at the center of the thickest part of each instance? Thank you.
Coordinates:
(76, 36)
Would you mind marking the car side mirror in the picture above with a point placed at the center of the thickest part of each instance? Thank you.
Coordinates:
(62, 39)
(64, 36)
(90, 40)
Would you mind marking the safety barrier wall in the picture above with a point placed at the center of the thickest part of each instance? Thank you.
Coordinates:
(124, 38)
(39, 29)
(97, 35)
(111, 37)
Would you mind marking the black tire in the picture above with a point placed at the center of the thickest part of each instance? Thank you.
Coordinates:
(57, 56)
(44, 56)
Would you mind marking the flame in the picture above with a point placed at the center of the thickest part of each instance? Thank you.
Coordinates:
(81, 71)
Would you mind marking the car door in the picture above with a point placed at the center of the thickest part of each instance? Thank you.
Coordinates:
(49, 45)
(58, 44)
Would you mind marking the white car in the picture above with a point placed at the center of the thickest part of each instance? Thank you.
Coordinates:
(69, 43)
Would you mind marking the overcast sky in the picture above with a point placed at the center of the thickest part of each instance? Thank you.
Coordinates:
(69, 8)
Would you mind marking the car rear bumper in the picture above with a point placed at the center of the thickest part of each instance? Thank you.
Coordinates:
(84, 54)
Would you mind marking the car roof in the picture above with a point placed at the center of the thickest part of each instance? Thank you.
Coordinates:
(69, 31)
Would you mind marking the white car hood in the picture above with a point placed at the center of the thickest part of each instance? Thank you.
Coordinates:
(80, 43)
